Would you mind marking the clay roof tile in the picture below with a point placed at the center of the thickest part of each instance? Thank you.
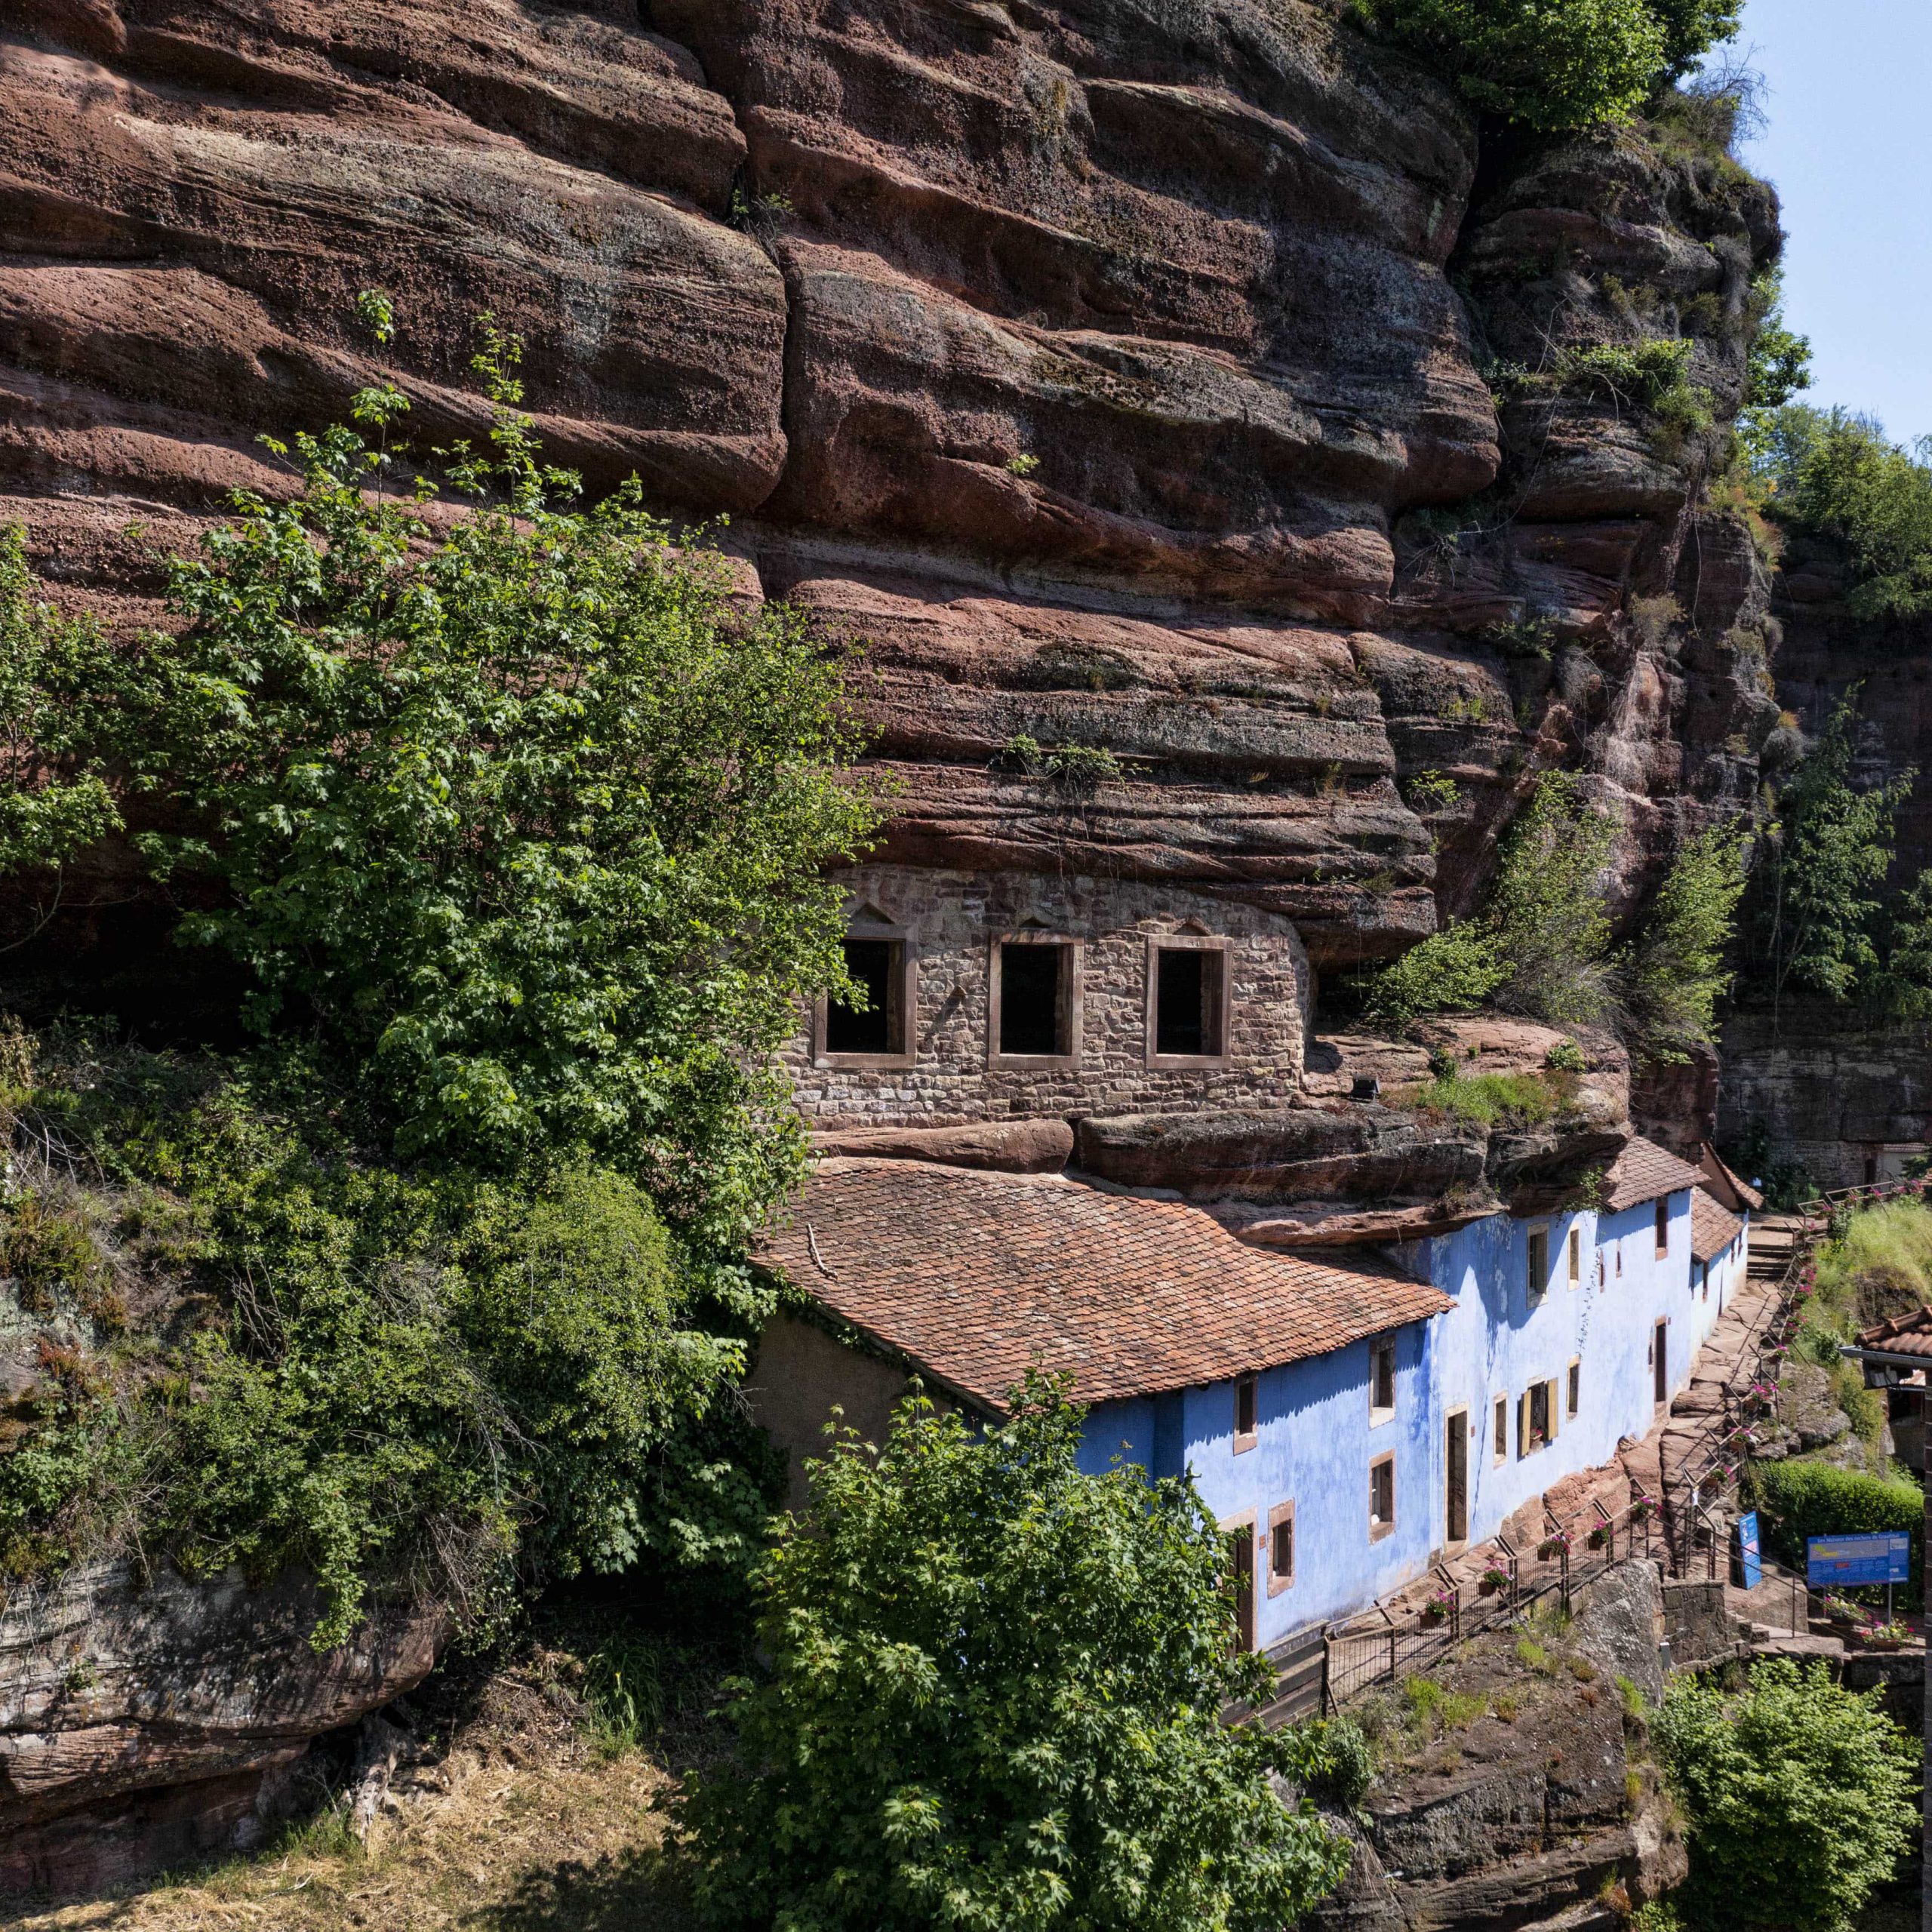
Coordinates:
(1712, 1229)
(974, 1274)
(1644, 1171)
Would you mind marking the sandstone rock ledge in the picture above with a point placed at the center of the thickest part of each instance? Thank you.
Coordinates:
(142, 1722)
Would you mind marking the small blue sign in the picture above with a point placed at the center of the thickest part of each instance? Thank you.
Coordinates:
(1885, 1558)
(1750, 1562)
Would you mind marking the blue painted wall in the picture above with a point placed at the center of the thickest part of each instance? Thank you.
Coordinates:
(1316, 1439)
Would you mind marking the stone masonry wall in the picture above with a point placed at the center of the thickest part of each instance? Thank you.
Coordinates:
(954, 916)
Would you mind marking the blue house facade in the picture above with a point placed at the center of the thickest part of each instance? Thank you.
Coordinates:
(1567, 1333)
(1347, 1416)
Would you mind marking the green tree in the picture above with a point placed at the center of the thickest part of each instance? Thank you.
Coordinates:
(519, 804)
(1823, 867)
(1837, 476)
(1800, 1796)
(993, 1704)
(1556, 64)
(1672, 972)
(1547, 908)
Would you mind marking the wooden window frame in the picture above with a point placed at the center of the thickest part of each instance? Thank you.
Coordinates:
(1573, 1249)
(1246, 1439)
(1573, 1389)
(1498, 1453)
(1663, 1227)
(1070, 1003)
(1282, 1512)
(1160, 943)
(1378, 1417)
(825, 1062)
(1552, 1405)
(1536, 1292)
(1377, 1531)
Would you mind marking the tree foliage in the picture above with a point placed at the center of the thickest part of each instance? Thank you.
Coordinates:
(992, 1702)
(1800, 1796)
(520, 825)
(1822, 870)
(1837, 476)
(1556, 64)
(1672, 973)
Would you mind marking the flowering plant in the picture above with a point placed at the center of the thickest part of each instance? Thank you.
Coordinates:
(1557, 1543)
(1643, 1509)
(1494, 1579)
(1437, 1606)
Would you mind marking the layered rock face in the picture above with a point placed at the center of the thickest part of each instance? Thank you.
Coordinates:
(1119, 375)
(1114, 373)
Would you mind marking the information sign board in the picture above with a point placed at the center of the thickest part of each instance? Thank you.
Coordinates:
(1749, 1565)
(1884, 1558)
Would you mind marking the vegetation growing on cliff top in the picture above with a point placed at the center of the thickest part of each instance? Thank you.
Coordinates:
(518, 827)
(993, 1701)
(1556, 64)
(1542, 945)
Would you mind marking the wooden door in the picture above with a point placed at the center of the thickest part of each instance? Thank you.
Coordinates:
(1456, 1463)
(1244, 1555)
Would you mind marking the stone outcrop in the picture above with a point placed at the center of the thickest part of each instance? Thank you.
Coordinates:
(142, 1720)
(1538, 1804)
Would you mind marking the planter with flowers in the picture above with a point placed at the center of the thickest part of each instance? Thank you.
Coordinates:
(1556, 1544)
(1644, 1509)
(1436, 1610)
(1598, 1537)
(1492, 1580)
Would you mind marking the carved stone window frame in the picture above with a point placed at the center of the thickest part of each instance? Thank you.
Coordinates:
(907, 938)
(1070, 996)
(1160, 943)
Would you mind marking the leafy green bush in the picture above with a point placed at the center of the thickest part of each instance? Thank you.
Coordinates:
(1891, 1244)
(1454, 970)
(522, 808)
(1337, 1763)
(1800, 1798)
(1554, 64)
(993, 1701)
(1837, 476)
(1672, 973)
(1799, 1499)
(1819, 881)
(1484, 1098)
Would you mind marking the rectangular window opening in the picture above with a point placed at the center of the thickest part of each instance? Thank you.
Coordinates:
(1576, 1392)
(1502, 1436)
(877, 967)
(1381, 1381)
(1280, 1547)
(1455, 1473)
(1248, 1413)
(1536, 1435)
(1663, 1228)
(1189, 1002)
(1381, 1497)
(1538, 1273)
(1576, 1257)
(1035, 1004)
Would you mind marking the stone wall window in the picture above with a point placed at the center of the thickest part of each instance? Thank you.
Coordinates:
(1033, 1016)
(1381, 1497)
(1280, 1548)
(1248, 1413)
(1536, 1279)
(1500, 1452)
(1663, 1228)
(1536, 1424)
(1381, 1383)
(1573, 1403)
(1187, 1001)
(1576, 1257)
(883, 1033)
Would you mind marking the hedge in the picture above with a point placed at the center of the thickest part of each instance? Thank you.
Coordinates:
(1799, 1499)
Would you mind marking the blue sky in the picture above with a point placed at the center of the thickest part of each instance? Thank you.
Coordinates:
(1850, 147)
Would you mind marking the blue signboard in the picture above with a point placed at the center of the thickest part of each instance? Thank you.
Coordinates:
(1750, 1565)
(1885, 1558)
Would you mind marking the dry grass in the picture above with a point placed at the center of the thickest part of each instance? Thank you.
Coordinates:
(522, 1825)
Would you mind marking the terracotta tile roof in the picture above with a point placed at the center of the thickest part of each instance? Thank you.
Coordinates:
(1644, 1171)
(1902, 1335)
(973, 1274)
(1712, 1229)
(1723, 1181)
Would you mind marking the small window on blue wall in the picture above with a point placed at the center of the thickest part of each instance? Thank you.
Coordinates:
(1381, 1383)
(1538, 1273)
(1248, 1422)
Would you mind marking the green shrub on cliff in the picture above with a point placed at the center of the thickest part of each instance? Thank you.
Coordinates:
(992, 1700)
(1799, 1499)
(1556, 64)
(519, 827)
(1800, 1798)
(1672, 972)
